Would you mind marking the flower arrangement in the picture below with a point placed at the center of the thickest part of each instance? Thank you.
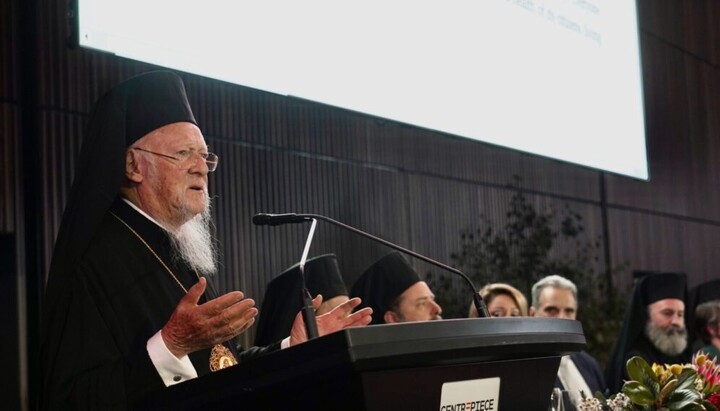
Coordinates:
(694, 386)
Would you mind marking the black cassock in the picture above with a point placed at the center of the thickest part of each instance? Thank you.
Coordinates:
(645, 349)
(94, 348)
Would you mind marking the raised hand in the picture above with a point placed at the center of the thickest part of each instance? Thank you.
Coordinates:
(337, 319)
(194, 327)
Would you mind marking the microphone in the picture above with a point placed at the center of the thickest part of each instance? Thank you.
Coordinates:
(278, 219)
(292, 218)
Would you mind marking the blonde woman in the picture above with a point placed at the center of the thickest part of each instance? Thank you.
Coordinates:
(503, 300)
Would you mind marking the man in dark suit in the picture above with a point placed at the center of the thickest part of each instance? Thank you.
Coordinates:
(555, 296)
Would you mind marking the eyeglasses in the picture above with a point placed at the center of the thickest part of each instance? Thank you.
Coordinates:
(185, 158)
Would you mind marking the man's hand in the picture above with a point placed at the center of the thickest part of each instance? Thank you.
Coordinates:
(194, 327)
(337, 319)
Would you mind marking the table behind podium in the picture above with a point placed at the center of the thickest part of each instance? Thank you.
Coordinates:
(392, 367)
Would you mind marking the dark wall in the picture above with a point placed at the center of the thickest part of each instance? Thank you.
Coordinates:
(9, 347)
(414, 187)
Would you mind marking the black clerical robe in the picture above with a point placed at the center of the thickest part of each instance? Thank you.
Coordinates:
(645, 349)
(94, 352)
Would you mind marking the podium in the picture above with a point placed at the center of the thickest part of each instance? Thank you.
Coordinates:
(392, 367)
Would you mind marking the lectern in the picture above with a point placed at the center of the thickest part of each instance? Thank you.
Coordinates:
(408, 366)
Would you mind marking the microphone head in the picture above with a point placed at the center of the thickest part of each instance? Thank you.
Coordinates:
(279, 219)
(261, 219)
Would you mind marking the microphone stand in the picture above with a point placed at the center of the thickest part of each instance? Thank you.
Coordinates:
(290, 218)
(308, 313)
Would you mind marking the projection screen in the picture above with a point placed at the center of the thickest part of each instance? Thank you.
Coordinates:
(557, 78)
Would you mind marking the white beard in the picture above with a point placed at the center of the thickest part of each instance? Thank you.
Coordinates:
(671, 341)
(193, 243)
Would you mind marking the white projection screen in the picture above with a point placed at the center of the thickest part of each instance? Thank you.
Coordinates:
(558, 78)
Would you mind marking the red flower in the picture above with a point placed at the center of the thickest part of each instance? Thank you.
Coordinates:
(714, 399)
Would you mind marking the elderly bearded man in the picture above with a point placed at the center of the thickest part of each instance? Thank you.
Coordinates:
(128, 308)
(653, 328)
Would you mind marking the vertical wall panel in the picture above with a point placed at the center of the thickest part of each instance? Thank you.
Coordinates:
(9, 86)
(654, 242)
(667, 122)
(10, 112)
(10, 348)
(9, 134)
(61, 137)
(686, 25)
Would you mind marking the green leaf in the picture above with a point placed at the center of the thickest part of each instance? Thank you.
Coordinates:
(639, 370)
(687, 407)
(667, 389)
(686, 379)
(683, 400)
(638, 393)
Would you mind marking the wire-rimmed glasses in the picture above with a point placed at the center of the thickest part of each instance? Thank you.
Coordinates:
(185, 158)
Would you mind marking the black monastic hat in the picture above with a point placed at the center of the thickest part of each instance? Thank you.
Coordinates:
(382, 283)
(119, 118)
(283, 297)
(701, 293)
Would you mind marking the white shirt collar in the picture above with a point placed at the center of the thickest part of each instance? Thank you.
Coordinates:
(573, 381)
(144, 213)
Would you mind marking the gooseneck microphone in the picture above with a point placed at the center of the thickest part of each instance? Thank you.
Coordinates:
(279, 219)
(292, 218)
